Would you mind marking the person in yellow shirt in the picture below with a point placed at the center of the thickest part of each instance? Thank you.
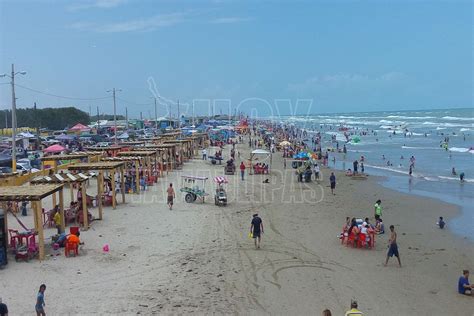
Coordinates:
(57, 221)
(354, 311)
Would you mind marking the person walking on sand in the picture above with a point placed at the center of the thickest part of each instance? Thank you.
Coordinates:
(284, 163)
(171, 196)
(256, 229)
(393, 247)
(204, 154)
(3, 308)
(354, 311)
(39, 307)
(332, 181)
(242, 170)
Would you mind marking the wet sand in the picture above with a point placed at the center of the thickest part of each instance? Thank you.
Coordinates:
(198, 259)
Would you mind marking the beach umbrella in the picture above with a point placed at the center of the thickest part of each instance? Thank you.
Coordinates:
(220, 180)
(26, 135)
(79, 127)
(65, 137)
(285, 143)
(54, 149)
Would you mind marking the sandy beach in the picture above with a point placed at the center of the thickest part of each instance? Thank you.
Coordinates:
(198, 259)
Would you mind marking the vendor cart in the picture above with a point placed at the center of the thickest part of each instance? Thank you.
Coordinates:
(220, 198)
(194, 188)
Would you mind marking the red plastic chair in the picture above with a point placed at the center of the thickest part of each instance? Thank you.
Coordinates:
(362, 241)
(73, 230)
(71, 247)
(13, 233)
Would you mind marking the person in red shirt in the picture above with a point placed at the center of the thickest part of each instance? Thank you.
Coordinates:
(242, 170)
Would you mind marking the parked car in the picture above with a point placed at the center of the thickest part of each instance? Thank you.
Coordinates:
(25, 163)
(6, 170)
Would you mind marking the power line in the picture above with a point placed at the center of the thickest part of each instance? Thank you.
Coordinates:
(61, 96)
(133, 103)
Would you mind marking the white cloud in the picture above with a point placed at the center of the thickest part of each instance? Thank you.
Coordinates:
(152, 23)
(97, 4)
(229, 20)
(143, 24)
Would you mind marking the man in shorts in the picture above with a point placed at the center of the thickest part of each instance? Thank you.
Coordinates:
(256, 229)
(393, 247)
(171, 196)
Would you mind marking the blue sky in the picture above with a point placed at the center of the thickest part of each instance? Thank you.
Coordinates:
(333, 56)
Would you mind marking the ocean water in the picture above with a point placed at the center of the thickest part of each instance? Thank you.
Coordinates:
(408, 133)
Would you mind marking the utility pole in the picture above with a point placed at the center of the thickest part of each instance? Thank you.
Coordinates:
(12, 77)
(179, 116)
(98, 122)
(156, 115)
(126, 116)
(38, 142)
(193, 115)
(115, 113)
(13, 120)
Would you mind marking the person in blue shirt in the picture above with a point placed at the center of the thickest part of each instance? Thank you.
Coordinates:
(463, 284)
(39, 307)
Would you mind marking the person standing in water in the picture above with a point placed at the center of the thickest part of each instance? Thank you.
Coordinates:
(355, 164)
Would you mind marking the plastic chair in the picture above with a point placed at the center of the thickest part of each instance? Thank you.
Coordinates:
(13, 237)
(71, 247)
(73, 230)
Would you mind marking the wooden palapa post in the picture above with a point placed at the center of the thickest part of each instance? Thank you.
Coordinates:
(112, 180)
(137, 175)
(122, 182)
(84, 206)
(40, 230)
(100, 188)
(61, 210)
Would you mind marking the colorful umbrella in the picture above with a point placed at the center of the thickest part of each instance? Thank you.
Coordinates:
(54, 149)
